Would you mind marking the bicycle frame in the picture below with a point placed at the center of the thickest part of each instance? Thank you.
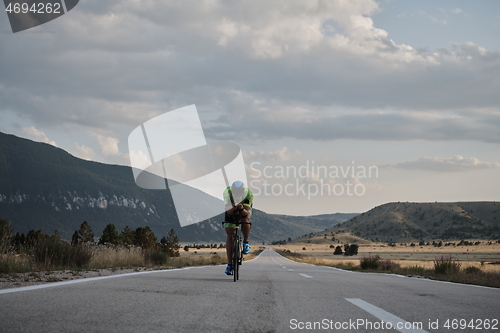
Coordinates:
(237, 254)
(237, 246)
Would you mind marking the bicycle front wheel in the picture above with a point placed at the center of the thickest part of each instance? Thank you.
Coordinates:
(236, 256)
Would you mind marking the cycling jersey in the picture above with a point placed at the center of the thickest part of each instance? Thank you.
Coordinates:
(229, 201)
(246, 201)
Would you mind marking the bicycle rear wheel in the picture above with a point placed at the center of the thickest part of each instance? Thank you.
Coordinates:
(236, 256)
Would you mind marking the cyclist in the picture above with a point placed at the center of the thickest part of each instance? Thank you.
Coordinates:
(237, 197)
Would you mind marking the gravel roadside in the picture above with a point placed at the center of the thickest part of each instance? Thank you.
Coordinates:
(17, 280)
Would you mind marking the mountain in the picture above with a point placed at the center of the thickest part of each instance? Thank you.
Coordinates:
(44, 187)
(317, 223)
(412, 222)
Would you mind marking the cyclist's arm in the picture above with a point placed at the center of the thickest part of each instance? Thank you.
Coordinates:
(246, 211)
(230, 209)
(248, 203)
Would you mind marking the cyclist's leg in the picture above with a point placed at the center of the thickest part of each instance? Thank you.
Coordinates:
(229, 244)
(245, 230)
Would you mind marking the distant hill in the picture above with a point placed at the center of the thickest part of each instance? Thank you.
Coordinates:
(410, 222)
(317, 222)
(44, 187)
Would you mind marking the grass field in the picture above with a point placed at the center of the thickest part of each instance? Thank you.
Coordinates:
(107, 261)
(486, 257)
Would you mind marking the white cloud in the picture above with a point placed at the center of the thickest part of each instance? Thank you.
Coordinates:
(270, 63)
(281, 155)
(456, 10)
(36, 135)
(84, 152)
(108, 145)
(368, 125)
(455, 163)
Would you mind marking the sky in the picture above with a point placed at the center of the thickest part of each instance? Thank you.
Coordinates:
(338, 106)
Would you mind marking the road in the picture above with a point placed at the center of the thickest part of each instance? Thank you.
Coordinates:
(274, 294)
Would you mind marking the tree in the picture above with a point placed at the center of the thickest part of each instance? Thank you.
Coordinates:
(351, 250)
(338, 250)
(109, 235)
(5, 236)
(34, 237)
(145, 238)
(76, 239)
(127, 236)
(85, 232)
(170, 244)
(19, 242)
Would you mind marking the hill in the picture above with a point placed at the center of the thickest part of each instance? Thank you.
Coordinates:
(412, 222)
(45, 188)
(316, 223)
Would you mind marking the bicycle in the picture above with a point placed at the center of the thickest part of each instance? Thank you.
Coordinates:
(237, 256)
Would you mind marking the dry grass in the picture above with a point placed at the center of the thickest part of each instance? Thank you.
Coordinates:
(118, 261)
(473, 253)
(120, 257)
(116, 256)
(15, 263)
(470, 272)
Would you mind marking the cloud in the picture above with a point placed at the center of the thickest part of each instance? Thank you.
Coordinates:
(84, 152)
(274, 64)
(456, 10)
(36, 135)
(108, 145)
(367, 125)
(452, 164)
(281, 155)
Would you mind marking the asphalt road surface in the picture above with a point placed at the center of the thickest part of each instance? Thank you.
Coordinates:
(274, 294)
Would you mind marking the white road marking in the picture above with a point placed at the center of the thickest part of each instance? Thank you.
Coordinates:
(305, 275)
(397, 323)
(56, 284)
(290, 270)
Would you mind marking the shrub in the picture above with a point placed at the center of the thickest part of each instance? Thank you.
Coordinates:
(82, 255)
(472, 270)
(388, 265)
(338, 250)
(156, 256)
(351, 250)
(370, 262)
(216, 259)
(53, 252)
(10, 263)
(415, 270)
(446, 265)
